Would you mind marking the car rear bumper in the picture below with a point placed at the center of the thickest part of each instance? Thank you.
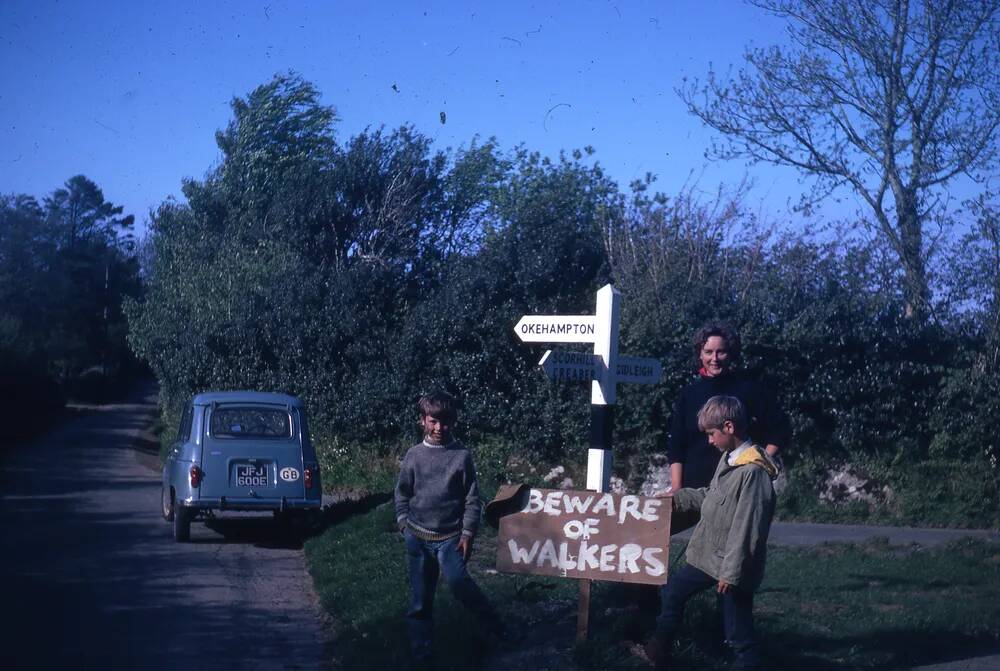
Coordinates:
(252, 503)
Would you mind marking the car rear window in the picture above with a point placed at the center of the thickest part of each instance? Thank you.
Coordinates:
(245, 422)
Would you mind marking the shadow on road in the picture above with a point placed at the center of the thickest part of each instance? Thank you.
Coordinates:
(263, 531)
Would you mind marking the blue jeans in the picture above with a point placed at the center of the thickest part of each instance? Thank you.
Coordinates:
(737, 613)
(425, 561)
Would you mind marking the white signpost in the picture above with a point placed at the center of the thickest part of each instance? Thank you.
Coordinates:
(604, 369)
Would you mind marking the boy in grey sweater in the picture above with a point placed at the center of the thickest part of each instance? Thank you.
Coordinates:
(437, 512)
(728, 547)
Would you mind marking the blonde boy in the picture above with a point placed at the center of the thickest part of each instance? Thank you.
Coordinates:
(729, 544)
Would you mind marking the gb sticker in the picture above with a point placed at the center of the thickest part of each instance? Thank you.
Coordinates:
(289, 474)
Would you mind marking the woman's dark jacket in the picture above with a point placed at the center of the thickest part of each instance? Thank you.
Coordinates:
(688, 445)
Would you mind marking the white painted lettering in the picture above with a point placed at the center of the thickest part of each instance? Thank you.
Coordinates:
(534, 502)
(552, 503)
(576, 529)
(566, 562)
(650, 508)
(574, 504)
(548, 554)
(519, 555)
(607, 502)
(588, 557)
(655, 566)
(573, 529)
(629, 506)
(627, 558)
(608, 557)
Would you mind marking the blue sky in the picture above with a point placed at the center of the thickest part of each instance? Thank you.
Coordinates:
(131, 93)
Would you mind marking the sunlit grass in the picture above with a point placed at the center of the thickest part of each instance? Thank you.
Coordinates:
(868, 606)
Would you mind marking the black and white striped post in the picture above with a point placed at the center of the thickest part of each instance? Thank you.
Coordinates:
(602, 418)
(602, 389)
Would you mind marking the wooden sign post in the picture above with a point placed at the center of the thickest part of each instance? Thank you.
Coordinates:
(604, 369)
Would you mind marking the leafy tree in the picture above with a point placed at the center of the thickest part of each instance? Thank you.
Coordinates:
(96, 263)
(541, 253)
(295, 259)
(279, 134)
(971, 388)
(64, 268)
(890, 98)
(681, 261)
(80, 214)
(27, 252)
(386, 191)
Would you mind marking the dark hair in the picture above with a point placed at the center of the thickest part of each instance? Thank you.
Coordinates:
(438, 404)
(721, 409)
(722, 330)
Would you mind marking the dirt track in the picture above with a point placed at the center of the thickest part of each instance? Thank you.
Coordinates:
(92, 578)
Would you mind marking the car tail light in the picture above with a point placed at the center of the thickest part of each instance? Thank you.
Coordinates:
(196, 475)
(310, 476)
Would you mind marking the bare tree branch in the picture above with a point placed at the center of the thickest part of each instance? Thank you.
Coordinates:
(893, 97)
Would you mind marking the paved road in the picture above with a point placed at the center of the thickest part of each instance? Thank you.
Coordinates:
(92, 578)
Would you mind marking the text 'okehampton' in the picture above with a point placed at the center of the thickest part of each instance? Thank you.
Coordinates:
(556, 328)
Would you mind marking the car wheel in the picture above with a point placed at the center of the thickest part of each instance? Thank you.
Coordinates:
(182, 523)
(167, 503)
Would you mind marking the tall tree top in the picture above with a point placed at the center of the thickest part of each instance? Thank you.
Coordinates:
(79, 212)
(891, 98)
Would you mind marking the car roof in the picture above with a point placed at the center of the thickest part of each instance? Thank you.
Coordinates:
(210, 397)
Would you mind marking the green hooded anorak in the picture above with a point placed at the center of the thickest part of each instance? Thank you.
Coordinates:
(730, 541)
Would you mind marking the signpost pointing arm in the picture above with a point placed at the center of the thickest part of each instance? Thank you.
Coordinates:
(555, 328)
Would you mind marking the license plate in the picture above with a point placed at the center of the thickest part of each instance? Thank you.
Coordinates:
(251, 475)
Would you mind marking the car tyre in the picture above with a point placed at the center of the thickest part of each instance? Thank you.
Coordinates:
(167, 503)
(285, 522)
(182, 523)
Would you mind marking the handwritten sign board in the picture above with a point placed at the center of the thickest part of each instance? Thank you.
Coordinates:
(587, 534)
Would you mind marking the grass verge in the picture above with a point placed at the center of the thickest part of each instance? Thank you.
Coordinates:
(869, 606)
(929, 493)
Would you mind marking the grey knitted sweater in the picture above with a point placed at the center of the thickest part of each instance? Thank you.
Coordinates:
(437, 494)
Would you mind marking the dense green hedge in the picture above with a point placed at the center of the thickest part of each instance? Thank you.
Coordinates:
(358, 273)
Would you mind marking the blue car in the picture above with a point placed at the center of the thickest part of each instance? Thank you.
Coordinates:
(240, 450)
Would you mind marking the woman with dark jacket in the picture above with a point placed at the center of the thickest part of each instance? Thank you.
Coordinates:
(692, 459)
